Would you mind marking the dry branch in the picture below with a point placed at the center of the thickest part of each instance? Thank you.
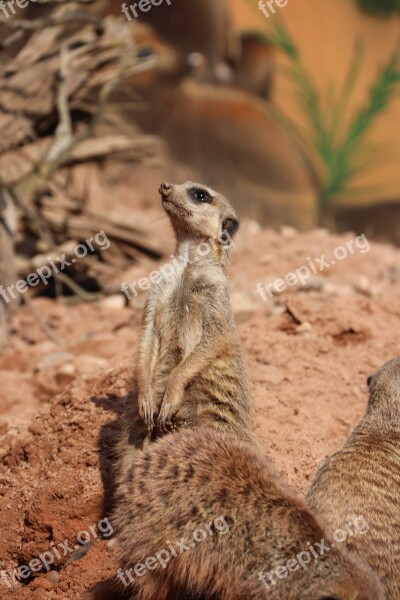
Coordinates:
(7, 263)
(54, 94)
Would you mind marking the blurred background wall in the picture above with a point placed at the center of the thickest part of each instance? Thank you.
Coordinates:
(295, 117)
(224, 126)
(325, 33)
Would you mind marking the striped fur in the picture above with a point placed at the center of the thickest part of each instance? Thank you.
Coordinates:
(363, 477)
(185, 481)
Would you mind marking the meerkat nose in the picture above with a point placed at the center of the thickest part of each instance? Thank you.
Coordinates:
(165, 189)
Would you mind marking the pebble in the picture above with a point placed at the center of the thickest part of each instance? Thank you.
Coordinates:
(53, 577)
(53, 359)
(37, 428)
(314, 283)
(68, 369)
(115, 302)
(111, 545)
(89, 364)
(305, 327)
(288, 232)
(363, 285)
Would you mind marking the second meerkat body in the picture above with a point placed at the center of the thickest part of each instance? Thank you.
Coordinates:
(363, 477)
(201, 515)
(190, 369)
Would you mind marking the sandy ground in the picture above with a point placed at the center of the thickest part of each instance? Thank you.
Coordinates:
(308, 351)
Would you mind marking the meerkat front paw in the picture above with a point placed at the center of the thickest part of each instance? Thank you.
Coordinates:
(171, 401)
(147, 409)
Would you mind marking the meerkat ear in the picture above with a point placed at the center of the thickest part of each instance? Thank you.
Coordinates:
(231, 225)
(369, 381)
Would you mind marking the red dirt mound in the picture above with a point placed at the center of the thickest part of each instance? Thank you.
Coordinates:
(309, 350)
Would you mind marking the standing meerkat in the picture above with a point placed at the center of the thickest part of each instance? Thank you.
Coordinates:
(201, 515)
(363, 477)
(190, 370)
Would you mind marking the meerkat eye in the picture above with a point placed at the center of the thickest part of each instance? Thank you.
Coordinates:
(200, 195)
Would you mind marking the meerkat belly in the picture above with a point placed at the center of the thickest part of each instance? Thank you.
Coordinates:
(179, 330)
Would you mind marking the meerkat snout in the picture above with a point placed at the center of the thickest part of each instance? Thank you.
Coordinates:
(165, 189)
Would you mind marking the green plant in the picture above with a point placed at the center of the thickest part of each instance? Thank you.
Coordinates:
(382, 7)
(335, 141)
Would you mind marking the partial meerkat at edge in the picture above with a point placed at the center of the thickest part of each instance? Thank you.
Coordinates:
(186, 481)
(190, 370)
(364, 477)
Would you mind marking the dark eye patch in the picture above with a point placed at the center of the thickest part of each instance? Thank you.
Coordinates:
(200, 195)
(144, 52)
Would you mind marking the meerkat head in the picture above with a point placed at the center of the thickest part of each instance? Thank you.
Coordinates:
(384, 388)
(198, 212)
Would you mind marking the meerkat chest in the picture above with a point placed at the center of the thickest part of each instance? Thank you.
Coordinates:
(180, 314)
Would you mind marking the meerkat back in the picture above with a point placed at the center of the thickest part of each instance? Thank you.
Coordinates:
(202, 514)
(363, 478)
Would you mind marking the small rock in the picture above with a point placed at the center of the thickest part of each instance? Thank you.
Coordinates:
(305, 327)
(37, 428)
(276, 308)
(53, 577)
(287, 232)
(111, 545)
(89, 364)
(335, 289)
(91, 461)
(115, 302)
(363, 285)
(67, 369)
(53, 359)
(314, 284)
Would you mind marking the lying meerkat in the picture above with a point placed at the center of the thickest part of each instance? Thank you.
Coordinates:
(190, 369)
(201, 515)
(363, 477)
